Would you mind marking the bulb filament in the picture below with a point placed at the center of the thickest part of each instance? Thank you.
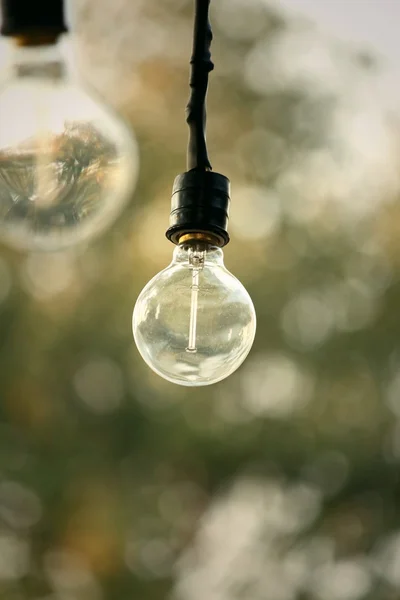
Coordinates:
(193, 312)
(196, 262)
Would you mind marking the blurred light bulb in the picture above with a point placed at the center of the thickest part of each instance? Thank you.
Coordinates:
(67, 163)
(194, 323)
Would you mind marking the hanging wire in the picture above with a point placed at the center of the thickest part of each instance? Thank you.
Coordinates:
(201, 65)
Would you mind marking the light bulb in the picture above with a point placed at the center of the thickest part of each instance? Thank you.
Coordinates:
(194, 323)
(67, 163)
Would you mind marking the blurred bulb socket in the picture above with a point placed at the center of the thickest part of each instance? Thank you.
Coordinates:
(33, 23)
(200, 205)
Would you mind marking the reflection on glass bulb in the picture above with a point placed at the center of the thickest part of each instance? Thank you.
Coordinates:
(194, 323)
(67, 163)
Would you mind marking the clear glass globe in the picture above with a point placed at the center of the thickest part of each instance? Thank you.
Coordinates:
(67, 163)
(194, 323)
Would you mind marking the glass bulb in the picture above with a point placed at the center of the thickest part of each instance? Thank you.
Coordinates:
(194, 323)
(67, 163)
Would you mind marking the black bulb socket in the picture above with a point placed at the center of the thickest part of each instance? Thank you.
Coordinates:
(32, 18)
(200, 205)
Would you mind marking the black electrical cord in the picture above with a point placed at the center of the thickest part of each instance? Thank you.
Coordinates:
(201, 65)
(200, 197)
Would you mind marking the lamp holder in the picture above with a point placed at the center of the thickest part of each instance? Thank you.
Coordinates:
(33, 22)
(200, 197)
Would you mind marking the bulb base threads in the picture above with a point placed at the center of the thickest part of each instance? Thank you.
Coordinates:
(200, 205)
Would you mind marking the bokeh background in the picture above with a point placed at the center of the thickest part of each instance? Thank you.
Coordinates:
(282, 482)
